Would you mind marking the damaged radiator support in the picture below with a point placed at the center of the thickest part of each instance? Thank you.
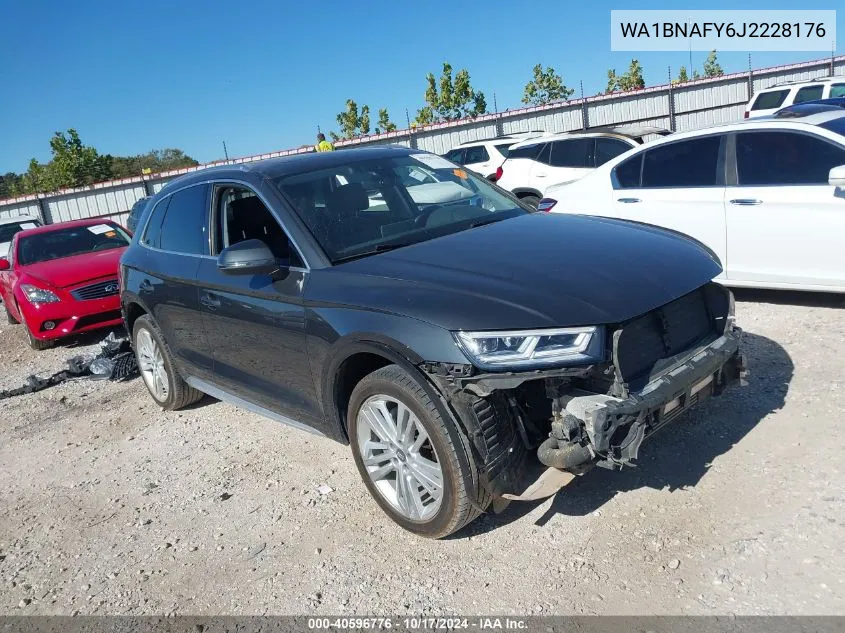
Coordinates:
(115, 361)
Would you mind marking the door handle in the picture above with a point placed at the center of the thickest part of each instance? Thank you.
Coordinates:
(540, 175)
(746, 202)
(210, 301)
(628, 200)
(145, 286)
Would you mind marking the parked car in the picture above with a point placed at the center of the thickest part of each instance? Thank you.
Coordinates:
(61, 279)
(442, 342)
(766, 195)
(485, 157)
(811, 107)
(135, 213)
(770, 100)
(10, 226)
(535, 164)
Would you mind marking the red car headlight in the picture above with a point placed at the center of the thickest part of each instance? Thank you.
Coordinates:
(36, 295)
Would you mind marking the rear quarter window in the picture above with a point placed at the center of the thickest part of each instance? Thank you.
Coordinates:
(628, 172)
(527, 151)
(809, 93)
(770, 100)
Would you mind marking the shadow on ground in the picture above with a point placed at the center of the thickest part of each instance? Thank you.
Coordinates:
(790, 297)
(680, 454)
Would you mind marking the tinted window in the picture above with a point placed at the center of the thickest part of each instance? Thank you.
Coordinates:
(835, 125)
(544, 155)
(503, 149)
(574, 153)
(526, 151)
(8, 231)
(628, 172)
(67, 242)
(785, 158)
(837, 90)
(241, 215)
(607, 148)
(769, 100)
(692, 163)
(184, 228)
(476, 155)
(809, 93)
(153, 229)
(455, 155)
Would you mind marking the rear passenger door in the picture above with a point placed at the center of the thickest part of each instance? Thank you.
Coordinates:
(176, 241)
(256, 323)
(678, 185)
(569, 160)
(477, 159)
(785, 222)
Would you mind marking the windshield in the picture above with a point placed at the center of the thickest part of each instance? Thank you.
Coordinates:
(67, 242)
(361, 208)
(8, 231)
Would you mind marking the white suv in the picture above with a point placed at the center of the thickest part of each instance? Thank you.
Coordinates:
(485, 157)
(10, 226)
(770, 100)
(535, 164)
(767, 196)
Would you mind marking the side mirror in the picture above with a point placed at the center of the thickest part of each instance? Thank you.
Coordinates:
(250, 257)
(4, 264)
(836, 177)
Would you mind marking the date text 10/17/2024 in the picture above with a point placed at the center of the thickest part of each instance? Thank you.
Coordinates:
(418, 624)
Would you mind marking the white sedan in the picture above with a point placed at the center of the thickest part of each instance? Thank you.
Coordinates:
(766, 195)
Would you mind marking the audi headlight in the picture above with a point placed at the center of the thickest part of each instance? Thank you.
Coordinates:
(39, 295)
(531, 348)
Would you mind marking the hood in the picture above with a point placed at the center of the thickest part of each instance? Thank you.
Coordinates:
(69, 271)
(533, 271)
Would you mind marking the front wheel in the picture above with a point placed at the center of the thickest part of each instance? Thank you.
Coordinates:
(413, 461)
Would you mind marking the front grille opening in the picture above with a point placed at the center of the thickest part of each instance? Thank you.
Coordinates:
(646, 346)
(102, 317)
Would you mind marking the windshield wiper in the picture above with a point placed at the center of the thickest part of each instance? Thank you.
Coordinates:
(485, 222)
(379, 248)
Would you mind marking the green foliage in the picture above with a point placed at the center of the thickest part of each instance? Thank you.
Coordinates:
(10, 184)
(75, 164)
(682, 75)
(384, 122)
(712, 67)
(455, 99)
(154, 161)
(546, 86)
(631, 80)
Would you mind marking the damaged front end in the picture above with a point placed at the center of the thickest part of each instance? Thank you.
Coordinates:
(656, 367)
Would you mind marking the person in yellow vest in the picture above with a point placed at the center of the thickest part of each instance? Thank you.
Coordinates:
(322, 144)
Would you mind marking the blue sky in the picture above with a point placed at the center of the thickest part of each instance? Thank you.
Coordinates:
(131, 77)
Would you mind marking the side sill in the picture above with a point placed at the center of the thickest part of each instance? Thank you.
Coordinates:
(225, 396)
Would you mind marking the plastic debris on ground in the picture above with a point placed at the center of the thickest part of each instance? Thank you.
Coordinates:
(115, 361)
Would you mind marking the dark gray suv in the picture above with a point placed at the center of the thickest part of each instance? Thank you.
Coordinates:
(389, 299)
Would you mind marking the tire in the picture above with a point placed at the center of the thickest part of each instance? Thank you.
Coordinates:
(154, 355)
(459, 499)
(531, 201)
(9, 318)
(37, 344)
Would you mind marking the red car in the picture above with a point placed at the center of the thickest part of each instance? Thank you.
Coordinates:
(61, 279)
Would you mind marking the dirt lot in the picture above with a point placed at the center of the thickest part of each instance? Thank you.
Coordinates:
(110, 505)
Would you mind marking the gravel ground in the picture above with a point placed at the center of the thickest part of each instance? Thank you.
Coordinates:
(111, 506)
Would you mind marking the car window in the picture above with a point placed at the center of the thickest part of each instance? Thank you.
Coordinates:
(241, 215)
(769, 100)
(70, 241)
(526, 151)
(837, 90)
(689, 163)
(545, 154)
(809, 93)
(572, 153)
(184, 228)
(476, 155)
(628, 172)
(456, 156)
(785, 158)
(8, 231)
(358, 208)
(152, 232)
(607, 148)
(503, 149)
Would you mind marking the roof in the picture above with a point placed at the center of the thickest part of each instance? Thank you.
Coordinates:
(65, 225)
(799, 82)
(18, 218)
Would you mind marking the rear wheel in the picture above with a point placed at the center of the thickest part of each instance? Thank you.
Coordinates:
(531, 201)
(155, 362)
(413, 461)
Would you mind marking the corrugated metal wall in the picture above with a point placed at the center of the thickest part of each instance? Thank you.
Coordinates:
(695, 104)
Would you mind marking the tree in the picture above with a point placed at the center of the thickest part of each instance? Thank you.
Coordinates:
(682, 75)
(384, 122)
(353, 123)
(454, 100)
(546, 87)
(75, 164)
(712, 67)
(631, 80)
(155, 161)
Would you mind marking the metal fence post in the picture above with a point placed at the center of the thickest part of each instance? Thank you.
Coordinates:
(671, 95)
(44, 209)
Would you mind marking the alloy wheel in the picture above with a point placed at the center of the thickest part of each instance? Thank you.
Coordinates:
(151, 364)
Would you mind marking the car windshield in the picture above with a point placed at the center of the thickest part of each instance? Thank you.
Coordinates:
(8, 231)
(70, 241)
(361, 208)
